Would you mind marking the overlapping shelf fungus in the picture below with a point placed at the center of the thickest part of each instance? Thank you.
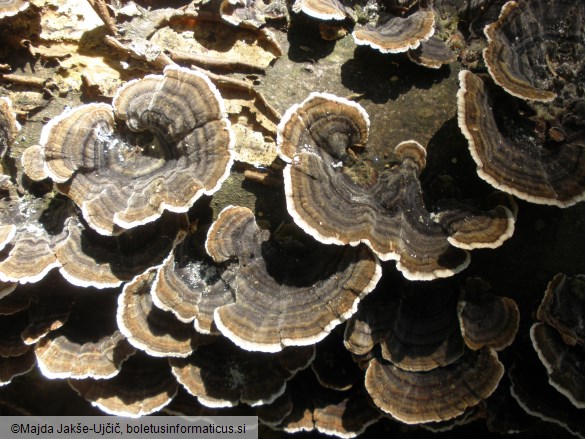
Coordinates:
(268, 208)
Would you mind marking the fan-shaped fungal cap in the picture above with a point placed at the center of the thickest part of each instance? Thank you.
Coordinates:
(285, 297)
(393, 34)
(321, 9)
(437, 395)
(424, 332)
(90, 259)
(432, 53)
(177, 146)
(222, 375)
(36, 227)
(517, 54)
(517, 162)
(9, 127)
(339, 199)
(149, 328)
(563, 363)
(486, 320)
(191, 286)
(367, 327)
(88, 345)
(143, 386)
(563, 307)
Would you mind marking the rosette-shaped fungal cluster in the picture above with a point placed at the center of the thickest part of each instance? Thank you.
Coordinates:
(339, 198)
(438, 350)
(527, 139)
(174, 145)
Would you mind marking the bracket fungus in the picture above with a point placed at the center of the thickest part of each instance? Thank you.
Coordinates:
(526, 40)
(191, 286)
(252, 13)
(285, 297)
(143, 386)
(563, 307)
(432, 53)
(518, 158)
(563, 363)
(31, 228)
(338, 199)
(176, 146)
(437, 395)
(395, 34)
(88, 345)
(222, 375)
(424, 333)
(89, 259)
(149, 328)
(486, 320)
(321, 9)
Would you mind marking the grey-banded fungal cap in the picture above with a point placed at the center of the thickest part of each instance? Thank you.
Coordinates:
(88, 345)
(486, 320)
(437, 395)
(511, 156)
(321, 9)
(143, 386)
(284, 296)
(335, 197)
(90, 259)
(393, 34)
(424, 331)
(432, 53)
(563, 307)
(149, 328)
(9, 127)
(32, 229)
(522, 44)
(191, 286)
(563, 362)
(222, 375)
(175, 146)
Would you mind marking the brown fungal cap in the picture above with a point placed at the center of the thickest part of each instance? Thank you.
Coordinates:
(321, 9)
(437, 395)
(338, 198)
(563, 363)
(9, 127)
(143, 386)
(149, 328)
(424, 332)
(512, 159)
(563, 307)
(393, 34)
(176, 146)
(367, 327)
(432, 53)
(222, 375)
(90, 259)
(486, 320)
(285, 296)
(191, 286)
(87, 345)
(516, 54)
(37, 228)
